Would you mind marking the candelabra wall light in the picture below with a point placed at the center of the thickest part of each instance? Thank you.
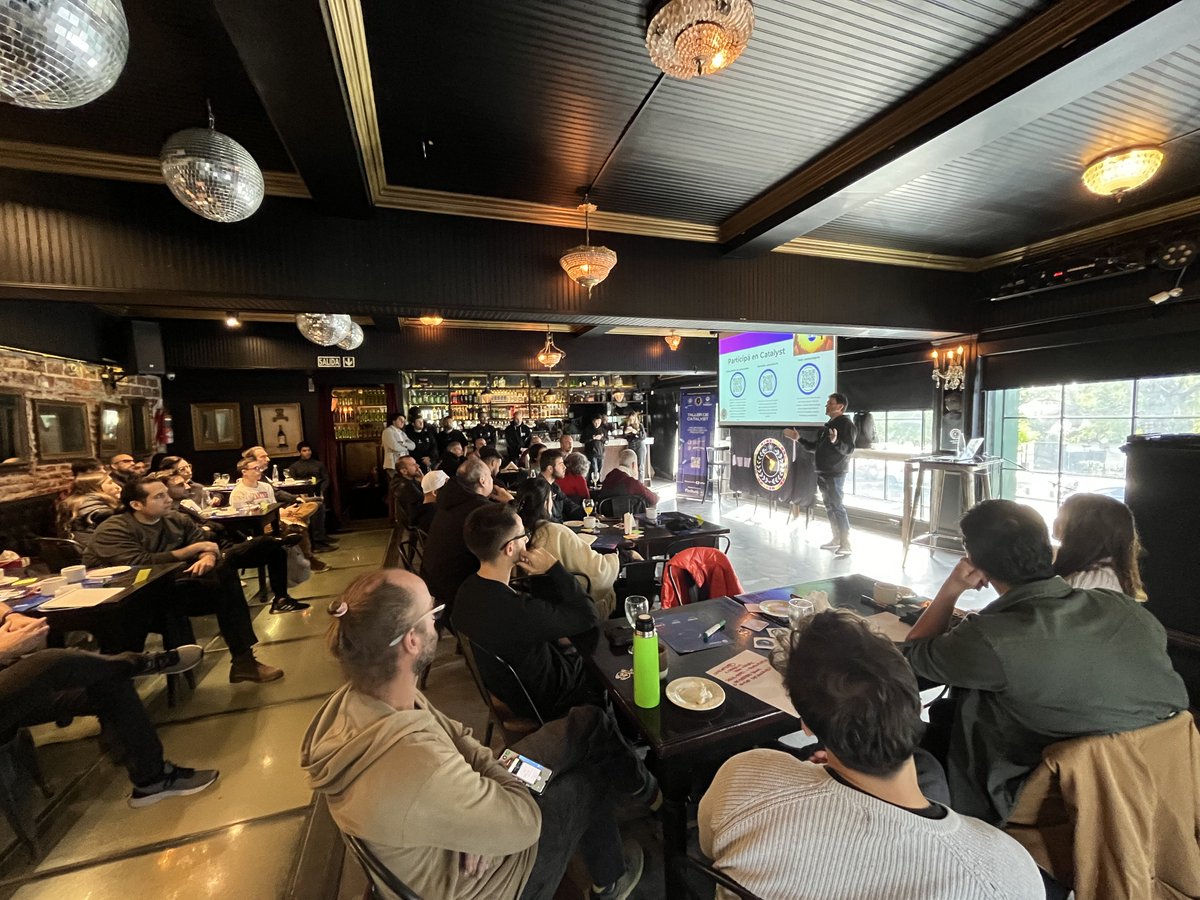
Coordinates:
(948, 372)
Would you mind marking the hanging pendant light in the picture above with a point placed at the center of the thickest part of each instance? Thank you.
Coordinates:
(585, 264)
(673, 340)
(550, 356)
(324, 329)
(60, 54)
(354, 339)
(212, 174)
(693, 38)
(1116, 174)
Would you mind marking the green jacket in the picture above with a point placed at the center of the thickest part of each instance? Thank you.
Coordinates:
(1041, 664)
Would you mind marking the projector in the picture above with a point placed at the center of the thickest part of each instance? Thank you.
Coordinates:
(1034, 281)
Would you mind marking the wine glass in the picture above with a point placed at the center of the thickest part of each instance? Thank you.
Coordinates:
(799, 609)
(635, 605)
(588, 505)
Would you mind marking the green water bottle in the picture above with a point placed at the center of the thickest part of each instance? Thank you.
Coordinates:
(645, 663)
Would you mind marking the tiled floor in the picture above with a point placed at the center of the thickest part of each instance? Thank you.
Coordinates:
(239, 838)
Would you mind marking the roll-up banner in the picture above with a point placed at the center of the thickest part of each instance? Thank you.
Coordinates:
(697, 419)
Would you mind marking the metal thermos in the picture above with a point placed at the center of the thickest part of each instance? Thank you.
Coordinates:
(645, 663)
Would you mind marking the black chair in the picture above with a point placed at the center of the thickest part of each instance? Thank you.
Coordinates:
(700, 541)
(58, 553)
(642, 578)
(688, 863)
(615, 507)
(512, 726)
(378, 875)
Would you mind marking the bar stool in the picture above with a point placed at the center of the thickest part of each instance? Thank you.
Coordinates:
(718, 461)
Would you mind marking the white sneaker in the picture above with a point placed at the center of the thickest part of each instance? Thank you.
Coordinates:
(831, 545)
(842, 552)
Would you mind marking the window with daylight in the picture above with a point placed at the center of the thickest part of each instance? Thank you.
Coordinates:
(876, 478)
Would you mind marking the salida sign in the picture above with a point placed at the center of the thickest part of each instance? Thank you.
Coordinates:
(335, 362)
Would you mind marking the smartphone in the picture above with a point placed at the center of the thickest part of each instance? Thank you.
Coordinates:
(533, 774)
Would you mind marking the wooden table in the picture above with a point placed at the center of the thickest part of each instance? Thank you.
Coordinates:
(253, 523)
(306, 487)
(654, 539)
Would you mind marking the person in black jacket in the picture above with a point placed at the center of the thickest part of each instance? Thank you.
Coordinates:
(448, 432)
(424, 441)
(833, 448)
(594, 438)
(447, 561)
(485, 430)
(517, 438)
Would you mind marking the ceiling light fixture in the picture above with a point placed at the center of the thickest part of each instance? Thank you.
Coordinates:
(1177, 254)
(1117, 173)
(550, 356)
(948, 371)
(673, 340)
(432, 321)
(61, 54)
(588, 265)
(212, 174)
(324, 329)
(232, 320)
(691, 38)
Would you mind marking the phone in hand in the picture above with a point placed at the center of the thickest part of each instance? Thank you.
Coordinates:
(535, 775)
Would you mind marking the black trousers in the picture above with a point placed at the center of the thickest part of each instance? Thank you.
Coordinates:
(56, 684)
(217, 591)
(261, 551)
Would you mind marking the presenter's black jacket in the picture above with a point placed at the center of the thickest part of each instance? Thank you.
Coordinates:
(833, 459)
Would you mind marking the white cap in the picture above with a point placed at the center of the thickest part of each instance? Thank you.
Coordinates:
(433, 481)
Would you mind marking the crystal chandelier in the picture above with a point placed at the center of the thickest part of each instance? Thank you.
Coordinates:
(212, 174)
(60, 54)
(324, 329)
(588, 265)
(1116, 174)
(550, 356)
(690, 38)
(948, 372)
(673, 340)
(354, 339)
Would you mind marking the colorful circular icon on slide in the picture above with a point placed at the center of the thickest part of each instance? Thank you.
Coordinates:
(770, 464)
(808, 379)
(737, 384)
(810, 343)
(768, 381)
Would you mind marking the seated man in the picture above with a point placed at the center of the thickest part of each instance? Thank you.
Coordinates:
(177, 465)
(447, 561)
(431, 483)
(451, 458)
(406, 490)
(321, 541)
(860, 825)
(123, 468)
(39, 685)
(431, 802)
(264, 550)
(1042, 663)
(521, 628)
(552, 468)
(624, 480)
(307, 467)
(251, 489)
(491, 456)
(448, 432)
(149, 533)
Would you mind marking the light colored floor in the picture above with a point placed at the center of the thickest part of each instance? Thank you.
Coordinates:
(239, 839)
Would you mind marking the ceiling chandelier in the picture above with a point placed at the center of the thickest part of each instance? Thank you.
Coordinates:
(60, 54)
(585, 264)
(690, 38)
(550, 356)
(433, 321)
(673, 340)
(1116, 174)
(324, 329)
(212, 174)
(354, 339)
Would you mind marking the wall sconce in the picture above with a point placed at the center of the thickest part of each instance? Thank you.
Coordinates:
(111, 376)
(948, 372)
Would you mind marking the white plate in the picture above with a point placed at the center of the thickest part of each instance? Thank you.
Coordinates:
(697, 694)
(574, 523)
(775, 608)
(6, 579)
(108, 571)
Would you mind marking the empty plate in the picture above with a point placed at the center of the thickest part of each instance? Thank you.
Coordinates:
(777, 609)
(698, 694)
(108, 571)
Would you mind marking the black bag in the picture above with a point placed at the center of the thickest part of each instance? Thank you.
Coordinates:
(677, 521)
(864, 430)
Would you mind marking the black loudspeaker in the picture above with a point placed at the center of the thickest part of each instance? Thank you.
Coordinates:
(146, 348)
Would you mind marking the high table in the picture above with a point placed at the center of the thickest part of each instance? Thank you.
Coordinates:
(967, 471)
(253, 523)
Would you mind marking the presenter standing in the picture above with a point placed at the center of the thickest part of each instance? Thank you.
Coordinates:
(833, 448)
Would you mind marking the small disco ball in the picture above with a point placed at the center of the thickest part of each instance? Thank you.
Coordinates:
(212, 174)
(354, 339)
(59, 54)
(324, 329)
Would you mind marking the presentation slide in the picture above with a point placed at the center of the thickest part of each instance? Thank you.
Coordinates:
(768, 378)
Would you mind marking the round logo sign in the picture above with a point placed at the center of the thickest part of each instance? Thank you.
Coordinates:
(770, 464)
(737, 384)
(767, 382)
(808, 379)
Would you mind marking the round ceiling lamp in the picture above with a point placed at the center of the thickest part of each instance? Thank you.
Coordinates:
(550, 356)
(354, 339)
(212, 174)
(673, 340)
(1177, 254)
(1116, 174)
(588, 265)
(323, 329)
(60, 54)
(693, 38)
(432, 321)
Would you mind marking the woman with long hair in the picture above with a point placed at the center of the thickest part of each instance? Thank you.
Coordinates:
(1098, 545)
(573, 551)
(92, 499)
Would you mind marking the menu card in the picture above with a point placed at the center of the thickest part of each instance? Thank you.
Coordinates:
(753, 674)
(889, 625)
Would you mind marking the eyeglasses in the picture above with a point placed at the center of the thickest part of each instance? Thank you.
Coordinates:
(524, 534)
(436, 612)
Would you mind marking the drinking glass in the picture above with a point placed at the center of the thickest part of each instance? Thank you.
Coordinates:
(798, 610)
(588, 506)
(635, 606)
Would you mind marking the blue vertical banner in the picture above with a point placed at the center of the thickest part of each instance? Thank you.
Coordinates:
(697, 419)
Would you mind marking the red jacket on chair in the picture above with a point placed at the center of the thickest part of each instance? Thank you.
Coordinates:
(707, 567)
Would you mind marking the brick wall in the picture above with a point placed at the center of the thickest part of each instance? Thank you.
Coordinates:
(35, 376)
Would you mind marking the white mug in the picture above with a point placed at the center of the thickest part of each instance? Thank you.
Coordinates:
(590, 523)
(74, 574)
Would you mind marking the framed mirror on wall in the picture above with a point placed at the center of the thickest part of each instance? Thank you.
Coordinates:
(14, 431)
(62, 429)
(141, 426)
(217, 426)
(114, 429)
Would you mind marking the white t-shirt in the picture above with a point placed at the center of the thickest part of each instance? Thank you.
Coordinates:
(243, 494)
(785, 829)
(1100, 577)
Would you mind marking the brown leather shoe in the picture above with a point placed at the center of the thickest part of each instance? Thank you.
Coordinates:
(247, 668)
(318, 566)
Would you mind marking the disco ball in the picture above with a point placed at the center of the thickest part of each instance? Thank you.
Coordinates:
(354, 339)
(59, 54)
(212, 174)
(324, 329)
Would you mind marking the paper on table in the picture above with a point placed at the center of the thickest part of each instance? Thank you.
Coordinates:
(753, 674)
(889, 625)
(80, 598)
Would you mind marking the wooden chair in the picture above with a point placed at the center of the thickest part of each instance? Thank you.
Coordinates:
(512, 726)
(378, 875)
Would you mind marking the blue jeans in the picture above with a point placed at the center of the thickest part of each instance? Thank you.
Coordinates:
(835, 506)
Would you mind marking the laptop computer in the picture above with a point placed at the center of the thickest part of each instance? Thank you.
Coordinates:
(970, 451)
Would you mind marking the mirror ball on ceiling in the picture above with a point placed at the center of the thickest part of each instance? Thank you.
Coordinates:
(323, 328)
(212, 174)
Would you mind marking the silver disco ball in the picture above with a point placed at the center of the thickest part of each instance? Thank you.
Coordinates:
(354, 339)
(211, 174)
(324, 329)
(59, 54)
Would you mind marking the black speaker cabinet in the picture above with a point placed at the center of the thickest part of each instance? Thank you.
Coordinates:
(146, 348)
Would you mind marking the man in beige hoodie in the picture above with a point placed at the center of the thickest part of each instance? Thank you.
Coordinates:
(431, 802)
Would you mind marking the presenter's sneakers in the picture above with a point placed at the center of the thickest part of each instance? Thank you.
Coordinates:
(832, 544)
(843, 551)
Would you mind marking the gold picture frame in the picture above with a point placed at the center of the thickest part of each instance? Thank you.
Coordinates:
(217, 426)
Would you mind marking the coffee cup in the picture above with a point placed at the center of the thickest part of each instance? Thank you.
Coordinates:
(51, 586)
(74, 574)
(590, 523)
(891, 594)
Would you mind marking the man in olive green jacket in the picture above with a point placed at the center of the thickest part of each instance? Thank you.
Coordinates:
(1042, 663)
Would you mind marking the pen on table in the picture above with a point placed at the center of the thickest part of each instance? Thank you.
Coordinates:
(711, 631)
